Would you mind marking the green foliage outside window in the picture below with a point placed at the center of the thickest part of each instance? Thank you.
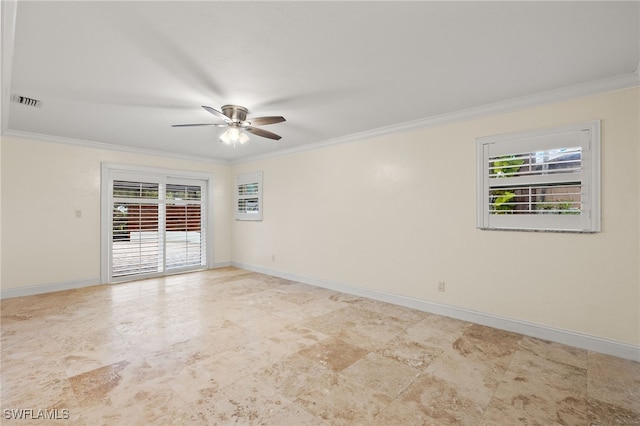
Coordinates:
(504, 167)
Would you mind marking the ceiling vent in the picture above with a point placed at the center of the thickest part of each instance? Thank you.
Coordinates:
(26, 101)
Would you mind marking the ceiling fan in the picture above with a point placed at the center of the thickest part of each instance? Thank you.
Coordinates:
(235, 117)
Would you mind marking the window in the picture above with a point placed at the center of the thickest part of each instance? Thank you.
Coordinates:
(249, 196)
(155, 223)
(544, 180)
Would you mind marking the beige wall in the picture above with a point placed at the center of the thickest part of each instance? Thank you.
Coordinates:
(45, 183)
(396, 214)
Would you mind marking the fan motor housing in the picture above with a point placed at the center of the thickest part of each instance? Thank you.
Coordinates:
(237, 113)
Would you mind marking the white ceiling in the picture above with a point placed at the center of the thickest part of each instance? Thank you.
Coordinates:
(122, 72)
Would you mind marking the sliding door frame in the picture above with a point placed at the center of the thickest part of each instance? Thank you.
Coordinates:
(106, 178)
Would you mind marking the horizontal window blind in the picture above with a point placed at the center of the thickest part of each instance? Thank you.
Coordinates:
(536, 199)
(539, 163)
(539, 182)
(248, 206)
(137, 242)
(185, 239)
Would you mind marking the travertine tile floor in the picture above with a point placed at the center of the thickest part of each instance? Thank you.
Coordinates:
(233, 347)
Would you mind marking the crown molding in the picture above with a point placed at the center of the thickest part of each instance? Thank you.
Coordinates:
(620, 82)
(110, 147)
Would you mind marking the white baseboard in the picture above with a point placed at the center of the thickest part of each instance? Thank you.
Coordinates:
(8, 293)
(567, 337)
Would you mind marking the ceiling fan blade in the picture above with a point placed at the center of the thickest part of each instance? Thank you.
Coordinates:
(263, 133)
(198, 124)
(217, 114)
(261, 121)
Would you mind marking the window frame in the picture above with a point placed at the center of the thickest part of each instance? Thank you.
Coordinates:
(586, 135)
(116, 171)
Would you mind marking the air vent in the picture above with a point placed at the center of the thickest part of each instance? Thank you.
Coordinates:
(26, 101)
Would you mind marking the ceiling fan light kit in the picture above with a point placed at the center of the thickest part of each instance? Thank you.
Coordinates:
(234, 135)
(235, 118)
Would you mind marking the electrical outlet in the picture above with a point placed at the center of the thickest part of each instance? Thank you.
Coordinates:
(440, 285)
(273, 257)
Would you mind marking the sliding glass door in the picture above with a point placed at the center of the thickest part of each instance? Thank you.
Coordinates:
(184, 226)
(156, 225)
